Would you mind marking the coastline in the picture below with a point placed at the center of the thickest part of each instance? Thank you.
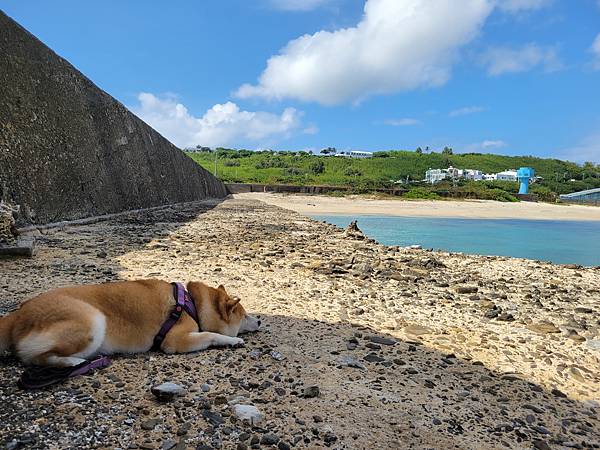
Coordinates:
(466, 209)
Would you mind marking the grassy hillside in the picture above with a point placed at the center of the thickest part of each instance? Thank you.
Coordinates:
(385, 168)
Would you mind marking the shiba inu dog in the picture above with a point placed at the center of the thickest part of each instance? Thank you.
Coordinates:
(67, 326)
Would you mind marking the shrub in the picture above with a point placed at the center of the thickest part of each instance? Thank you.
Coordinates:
(421, 193)
(231, 163)
(352, 172)
(317, 167)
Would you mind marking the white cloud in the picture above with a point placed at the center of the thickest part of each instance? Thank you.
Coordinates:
(298, 5)
(406, 122)
(501, 60)
(396, 46)
(311, 129)
(485, 146)
(223, 124)
(595, 49)
(514, 6)
(466, 111)
(586, 150)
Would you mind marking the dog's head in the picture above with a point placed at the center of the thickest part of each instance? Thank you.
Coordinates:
(221, 313)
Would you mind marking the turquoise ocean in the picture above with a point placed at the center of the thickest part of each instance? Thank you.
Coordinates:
(562, 242)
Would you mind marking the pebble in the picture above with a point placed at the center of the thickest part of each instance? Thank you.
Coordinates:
(167, 391)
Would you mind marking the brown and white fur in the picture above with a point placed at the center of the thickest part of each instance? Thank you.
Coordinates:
(66, 326)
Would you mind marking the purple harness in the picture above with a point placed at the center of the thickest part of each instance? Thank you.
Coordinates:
(185, 303)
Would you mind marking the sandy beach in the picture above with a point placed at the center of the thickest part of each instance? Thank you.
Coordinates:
(400, 348)
(473, 209)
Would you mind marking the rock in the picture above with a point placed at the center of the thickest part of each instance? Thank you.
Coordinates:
(593, 344)
(348, 361)
(283, 445)
(168, 444)
(167, 391)
(466, 289)
(573, 335)
(417, 330)
(277, 356)
(311, 391)
(543, 328)
(248, 413)
(381, 340)
(269, 439)
(541, 445)
(214, 418)
(205, 387)
(583, 310)
(150, 424)
(505, 317)
(373, 357)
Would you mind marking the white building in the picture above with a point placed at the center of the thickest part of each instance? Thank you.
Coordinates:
(472, 174)
(507, 175)
(435, 175)
(360, 154)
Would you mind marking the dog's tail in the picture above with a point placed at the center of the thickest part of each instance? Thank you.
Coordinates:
(6, 325)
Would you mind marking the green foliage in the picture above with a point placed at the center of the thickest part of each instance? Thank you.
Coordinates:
(231, 163)
(364, 174)
(317, 167)
(421, 193)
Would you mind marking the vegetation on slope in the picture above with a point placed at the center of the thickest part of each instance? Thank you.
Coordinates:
(403, 169)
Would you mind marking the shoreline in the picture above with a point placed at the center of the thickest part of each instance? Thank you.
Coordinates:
(318, 205)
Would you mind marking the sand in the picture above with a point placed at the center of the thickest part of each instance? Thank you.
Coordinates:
(467, 209)
(409, 348)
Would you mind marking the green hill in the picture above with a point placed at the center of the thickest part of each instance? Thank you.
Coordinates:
(385, 169)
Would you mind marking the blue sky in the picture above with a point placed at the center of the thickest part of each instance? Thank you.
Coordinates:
(502, 76)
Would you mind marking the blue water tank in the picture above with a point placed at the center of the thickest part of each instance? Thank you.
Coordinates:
(524, 174)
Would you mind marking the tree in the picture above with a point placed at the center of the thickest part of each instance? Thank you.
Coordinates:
(447, 151)
(419, 151)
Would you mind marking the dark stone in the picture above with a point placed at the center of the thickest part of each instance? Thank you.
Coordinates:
(541, 445)
(311, 391)
(282, 445)
(103, 160)
(269, 439)
(381, 340)
(467, 289)
(214, 418)
(150, 424)
(372, 357)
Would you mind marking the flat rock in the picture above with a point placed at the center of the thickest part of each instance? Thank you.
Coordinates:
(248, 413)
(543, 328)
(167, 391)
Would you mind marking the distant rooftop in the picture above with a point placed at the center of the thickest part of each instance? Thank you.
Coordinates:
(577, 194)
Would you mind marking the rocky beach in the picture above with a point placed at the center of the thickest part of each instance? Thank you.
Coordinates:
(363, 346)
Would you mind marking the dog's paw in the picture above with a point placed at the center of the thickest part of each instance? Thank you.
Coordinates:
(237, 342)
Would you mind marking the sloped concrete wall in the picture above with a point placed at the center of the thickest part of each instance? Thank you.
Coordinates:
(68, 150)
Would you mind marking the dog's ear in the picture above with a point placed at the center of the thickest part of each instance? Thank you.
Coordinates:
(232, 302)
(221, 288)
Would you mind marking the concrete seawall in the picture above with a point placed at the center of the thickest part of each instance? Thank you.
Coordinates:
(69, 150)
